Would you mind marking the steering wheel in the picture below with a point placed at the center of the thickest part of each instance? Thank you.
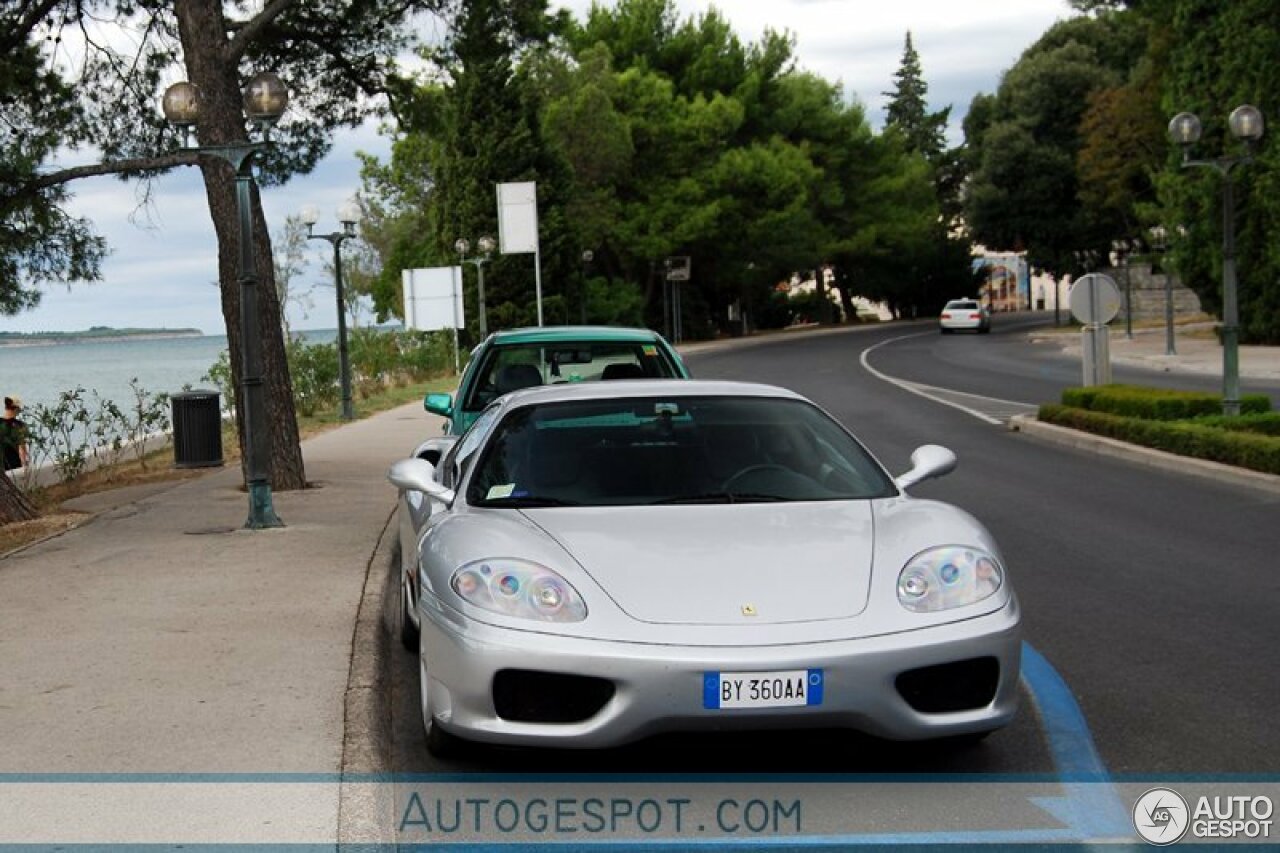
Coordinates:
(753, 469)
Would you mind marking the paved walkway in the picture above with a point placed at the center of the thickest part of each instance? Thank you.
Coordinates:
(161, 637)
(1198, 351)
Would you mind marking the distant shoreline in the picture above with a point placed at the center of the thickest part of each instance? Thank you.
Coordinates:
(52, 339)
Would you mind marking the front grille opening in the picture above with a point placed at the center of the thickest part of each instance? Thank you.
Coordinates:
(960, 686)
(527, 696)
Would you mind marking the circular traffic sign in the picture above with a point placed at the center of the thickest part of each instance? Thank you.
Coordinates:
(1094, 299)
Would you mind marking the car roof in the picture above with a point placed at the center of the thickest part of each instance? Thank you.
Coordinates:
(629, 388)
(562, 334)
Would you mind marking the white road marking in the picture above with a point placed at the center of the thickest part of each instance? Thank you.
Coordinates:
(946, 396)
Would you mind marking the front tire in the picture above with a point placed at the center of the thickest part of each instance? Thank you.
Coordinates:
(406, 629)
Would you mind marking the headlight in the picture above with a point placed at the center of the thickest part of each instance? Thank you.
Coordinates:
(519, 588)
(943, 578)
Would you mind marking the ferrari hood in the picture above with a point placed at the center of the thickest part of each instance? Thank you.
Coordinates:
(723, 564)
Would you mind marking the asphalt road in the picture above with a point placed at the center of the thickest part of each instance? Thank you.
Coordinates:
(1153, 594)
(1004, 365)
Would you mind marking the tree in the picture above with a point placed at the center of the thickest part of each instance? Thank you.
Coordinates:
(39, 242)
(939, 263)
(907, 113)
(650, 135)
(472, 124)
(1221, 54)
(14, 504)
(337, 52)
(289, 261)
(1024, 190)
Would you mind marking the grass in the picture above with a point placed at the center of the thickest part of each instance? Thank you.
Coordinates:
(157, 467)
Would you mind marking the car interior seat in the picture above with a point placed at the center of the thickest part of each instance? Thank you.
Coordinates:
(622, 370)
(513, 377)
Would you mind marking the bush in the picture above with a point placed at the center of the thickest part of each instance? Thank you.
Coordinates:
(425, 355)
(1264, 423)
(219, 375)
(1186, 438)
(378, 359)
(313, 369)
(78, 433)
(1156, 404)
(375, 360)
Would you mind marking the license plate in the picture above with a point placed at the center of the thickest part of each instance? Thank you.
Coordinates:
(792, 688)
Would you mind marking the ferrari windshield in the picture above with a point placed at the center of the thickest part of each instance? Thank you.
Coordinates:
(643, 451)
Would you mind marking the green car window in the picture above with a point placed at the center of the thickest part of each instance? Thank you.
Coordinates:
(507, 368)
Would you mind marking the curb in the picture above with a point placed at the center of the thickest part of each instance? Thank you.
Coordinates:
(1202, 468)
(364, 810)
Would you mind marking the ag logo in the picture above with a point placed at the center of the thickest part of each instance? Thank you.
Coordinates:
(1161, 816)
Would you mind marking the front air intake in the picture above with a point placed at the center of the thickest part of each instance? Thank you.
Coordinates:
(527, 696)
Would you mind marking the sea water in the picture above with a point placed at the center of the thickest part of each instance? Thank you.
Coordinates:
(39, 374)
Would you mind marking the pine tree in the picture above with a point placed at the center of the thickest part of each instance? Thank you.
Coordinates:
(924, 132)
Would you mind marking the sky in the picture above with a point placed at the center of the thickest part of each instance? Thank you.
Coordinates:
(162, 269)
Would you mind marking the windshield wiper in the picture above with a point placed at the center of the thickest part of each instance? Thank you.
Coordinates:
(530, 502)
(722, 497)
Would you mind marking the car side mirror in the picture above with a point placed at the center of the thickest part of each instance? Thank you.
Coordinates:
(419, 475)
(928, 461)
(434, 449)
(439, 404)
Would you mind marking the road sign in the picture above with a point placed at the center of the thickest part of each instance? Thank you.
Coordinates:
(678, 268)
(1094, 299)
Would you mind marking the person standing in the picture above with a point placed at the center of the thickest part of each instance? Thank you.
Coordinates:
(13, 435)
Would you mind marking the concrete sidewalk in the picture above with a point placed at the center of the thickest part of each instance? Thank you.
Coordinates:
(162, 638)
(1198, 351)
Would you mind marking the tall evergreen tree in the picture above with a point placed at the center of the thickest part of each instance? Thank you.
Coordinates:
(923, 132)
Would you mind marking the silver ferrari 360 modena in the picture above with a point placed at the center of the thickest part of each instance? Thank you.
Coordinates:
(590, 564)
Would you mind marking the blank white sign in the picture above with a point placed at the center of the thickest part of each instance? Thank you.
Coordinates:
(518, 218)
(433, 299)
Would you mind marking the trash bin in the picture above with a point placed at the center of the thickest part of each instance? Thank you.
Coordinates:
(197, 429)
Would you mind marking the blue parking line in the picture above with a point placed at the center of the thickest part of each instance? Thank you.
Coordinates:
(1070, 742)
(1091, 806)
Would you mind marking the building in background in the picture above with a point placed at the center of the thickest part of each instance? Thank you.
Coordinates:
(1007, 286)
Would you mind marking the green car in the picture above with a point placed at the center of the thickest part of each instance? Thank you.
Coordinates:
(521, 358)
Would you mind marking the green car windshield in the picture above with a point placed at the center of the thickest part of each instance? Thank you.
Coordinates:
(509, 367)
(645, 451)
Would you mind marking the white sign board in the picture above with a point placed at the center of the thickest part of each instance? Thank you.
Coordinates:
(433, 299)
(678, 268)
(518, 218)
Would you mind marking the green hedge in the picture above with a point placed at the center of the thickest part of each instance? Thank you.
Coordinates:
(1265, 423)
(1156, 404)
(1186, 438)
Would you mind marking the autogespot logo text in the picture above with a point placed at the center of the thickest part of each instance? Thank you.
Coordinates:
(1161, 816)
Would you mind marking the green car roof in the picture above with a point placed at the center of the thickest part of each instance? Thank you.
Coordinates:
(558, 334)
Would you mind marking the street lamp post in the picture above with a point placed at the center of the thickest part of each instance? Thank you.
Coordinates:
(1122, 249)
(587, 257)
(485, 245)
(265, 99)
(1159, 242)
(348, 215)
(1088, 260)
(1246, 125)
